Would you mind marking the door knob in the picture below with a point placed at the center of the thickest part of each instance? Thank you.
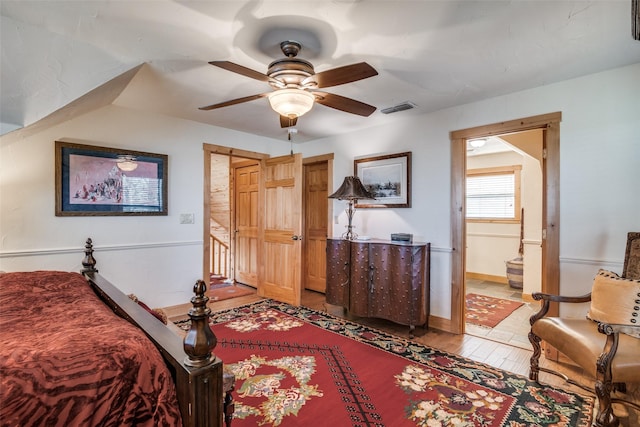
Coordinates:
(294, 237)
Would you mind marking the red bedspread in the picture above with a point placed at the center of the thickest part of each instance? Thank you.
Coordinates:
(66, 359)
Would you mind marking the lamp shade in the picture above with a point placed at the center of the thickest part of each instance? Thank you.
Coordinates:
(291, 102)
(352, 189)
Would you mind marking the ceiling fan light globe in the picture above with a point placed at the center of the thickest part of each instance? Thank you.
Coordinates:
(127, 165)
(291, 102)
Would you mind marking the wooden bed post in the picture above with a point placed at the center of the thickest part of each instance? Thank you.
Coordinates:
(200, 340)
(89, 262)
(195, 369)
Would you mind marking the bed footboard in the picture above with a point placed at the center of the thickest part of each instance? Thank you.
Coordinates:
(195, 368)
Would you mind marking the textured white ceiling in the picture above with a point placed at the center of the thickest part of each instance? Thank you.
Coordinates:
(436, 54)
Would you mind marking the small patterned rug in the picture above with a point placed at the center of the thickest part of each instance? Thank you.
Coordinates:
(488, 311)
(299, 367)
(220, 290)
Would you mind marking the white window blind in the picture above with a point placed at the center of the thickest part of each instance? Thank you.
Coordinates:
(491, 196)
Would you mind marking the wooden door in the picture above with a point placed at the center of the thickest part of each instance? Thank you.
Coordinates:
(247, 184)
(314, 245)
(280, 265)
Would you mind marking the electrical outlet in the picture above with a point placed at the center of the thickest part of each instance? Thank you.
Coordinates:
(187, 218)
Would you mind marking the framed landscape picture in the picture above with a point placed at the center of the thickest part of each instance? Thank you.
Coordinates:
(99, 181)
(388, 177)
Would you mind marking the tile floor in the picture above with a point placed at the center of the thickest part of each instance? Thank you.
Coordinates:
(514, 329)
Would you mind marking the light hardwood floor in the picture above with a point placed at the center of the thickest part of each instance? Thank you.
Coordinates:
(497, 354)
(514, 329)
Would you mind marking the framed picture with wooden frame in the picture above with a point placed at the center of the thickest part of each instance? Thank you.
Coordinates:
(101, 181)
(388, 177)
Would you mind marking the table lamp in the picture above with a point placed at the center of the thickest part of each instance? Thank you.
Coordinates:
(351, 190)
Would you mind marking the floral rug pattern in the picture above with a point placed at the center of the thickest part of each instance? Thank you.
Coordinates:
(279, 401)
(432, 388)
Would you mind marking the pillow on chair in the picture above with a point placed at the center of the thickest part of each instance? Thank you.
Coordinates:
(615, 300)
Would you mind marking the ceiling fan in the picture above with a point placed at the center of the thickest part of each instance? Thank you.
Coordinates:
(296, 85)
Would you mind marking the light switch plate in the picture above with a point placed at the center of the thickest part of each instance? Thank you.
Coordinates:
(187, 218)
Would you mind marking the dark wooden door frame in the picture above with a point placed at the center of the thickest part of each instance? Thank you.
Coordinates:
(550, 124)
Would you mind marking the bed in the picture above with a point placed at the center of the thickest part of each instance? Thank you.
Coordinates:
(67, 359)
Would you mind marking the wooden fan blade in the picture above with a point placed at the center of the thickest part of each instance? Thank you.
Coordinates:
(248, 72)
(286, 122)
(344, 104)
(233, 102)
(342, 75)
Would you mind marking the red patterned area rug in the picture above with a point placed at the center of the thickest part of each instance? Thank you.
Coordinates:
(299, 367)
(488, 311)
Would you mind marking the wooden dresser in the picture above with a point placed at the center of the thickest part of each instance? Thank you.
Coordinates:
(380, 278)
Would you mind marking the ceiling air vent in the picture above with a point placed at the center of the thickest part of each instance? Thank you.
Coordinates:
(408, 105)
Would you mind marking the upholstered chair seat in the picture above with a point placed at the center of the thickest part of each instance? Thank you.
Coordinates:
(606, 342)
(580, 341)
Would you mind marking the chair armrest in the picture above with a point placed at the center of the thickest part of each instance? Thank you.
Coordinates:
(605, 360)
(560, 298)
(547, 299)
(610, 328)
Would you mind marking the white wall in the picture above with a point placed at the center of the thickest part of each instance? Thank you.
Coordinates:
(159, 259)
(532, 242)
(599, 172)
(154, 257)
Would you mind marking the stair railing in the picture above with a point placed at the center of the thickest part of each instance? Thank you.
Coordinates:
(219, 263)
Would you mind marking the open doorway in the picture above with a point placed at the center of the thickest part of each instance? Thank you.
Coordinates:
(256, 232)
(230, 248)
(549, 124)
(503, 235)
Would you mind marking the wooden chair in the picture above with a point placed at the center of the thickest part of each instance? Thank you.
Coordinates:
(606, 344)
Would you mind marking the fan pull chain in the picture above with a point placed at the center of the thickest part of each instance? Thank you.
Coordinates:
(290, 142)
(291, 131)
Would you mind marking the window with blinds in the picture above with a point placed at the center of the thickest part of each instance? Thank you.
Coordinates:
(493, 194)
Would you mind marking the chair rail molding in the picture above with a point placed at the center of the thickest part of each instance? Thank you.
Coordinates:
(106, 248)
